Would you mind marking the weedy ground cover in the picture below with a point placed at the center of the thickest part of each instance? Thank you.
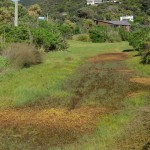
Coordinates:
(42, 83)
(94, 107)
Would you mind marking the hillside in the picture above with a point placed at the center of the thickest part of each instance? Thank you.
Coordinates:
(28, 2)
(75, 9)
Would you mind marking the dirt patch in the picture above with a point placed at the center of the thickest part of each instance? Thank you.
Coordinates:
(108, 57)
(145, 81)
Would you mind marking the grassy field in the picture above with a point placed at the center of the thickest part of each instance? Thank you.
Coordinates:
(82, 103)
(42, 82)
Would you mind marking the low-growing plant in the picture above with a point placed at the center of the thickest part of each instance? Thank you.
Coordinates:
(23, 55)
(3, 62)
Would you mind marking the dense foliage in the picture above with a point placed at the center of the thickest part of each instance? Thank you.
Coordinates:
(75, 9)
(16, 34)
(100, 34)
(139, 38)
(48, 36)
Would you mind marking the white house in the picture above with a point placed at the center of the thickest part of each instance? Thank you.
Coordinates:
(127, 18)
(95, 2)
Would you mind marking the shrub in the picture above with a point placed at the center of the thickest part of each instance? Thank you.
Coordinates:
(124, 34)
(146, 57)
(82, 37)
(23, 55)
(138, 39)
(98, 34)
(49, 37)
(17, 34)
(113, 36)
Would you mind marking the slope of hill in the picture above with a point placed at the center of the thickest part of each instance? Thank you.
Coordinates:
(107, 11)
(28, 2)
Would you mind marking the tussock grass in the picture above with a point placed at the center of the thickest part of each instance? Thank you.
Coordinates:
(23, 55)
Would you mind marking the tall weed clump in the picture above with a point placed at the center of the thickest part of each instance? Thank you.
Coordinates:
(23, 55)
(82, 38)
(101, 34)
(123, 34)
(113, 36)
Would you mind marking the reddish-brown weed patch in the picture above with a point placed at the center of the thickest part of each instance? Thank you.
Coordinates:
(108, 57)
(145, 81)
(47, 127)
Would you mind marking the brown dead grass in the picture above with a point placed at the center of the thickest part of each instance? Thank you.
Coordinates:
(134, 94)
(78, 120)
(108, 57)
(145, 81)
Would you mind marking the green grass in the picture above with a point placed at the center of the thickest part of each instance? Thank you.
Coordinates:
(134, 63)
(42, 82)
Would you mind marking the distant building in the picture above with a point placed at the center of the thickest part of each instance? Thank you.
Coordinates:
(127, 18)
(115, 24)
(95, 2)
(42, 18)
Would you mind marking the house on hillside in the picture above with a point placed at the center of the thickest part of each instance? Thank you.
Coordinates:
(115, 24)
(127, 18)
(95, 2)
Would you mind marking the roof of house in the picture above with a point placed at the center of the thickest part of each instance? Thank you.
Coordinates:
(123, 23)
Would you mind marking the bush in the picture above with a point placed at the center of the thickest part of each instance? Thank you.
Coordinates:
(113, 36)
(82, 37)
(138, 39)
(49, 37)
(98, 34)
(23, 55)
(16, 34)
(146, 57)
(123, 34)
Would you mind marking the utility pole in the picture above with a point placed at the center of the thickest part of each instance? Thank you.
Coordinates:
(16, 13)
(47, 17)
